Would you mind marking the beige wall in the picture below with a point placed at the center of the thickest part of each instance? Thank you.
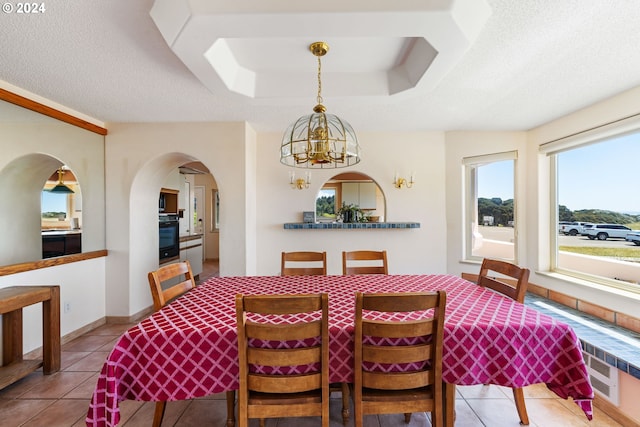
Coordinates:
(139, 157)
(256, 200)
(409, 251)
(31, 149)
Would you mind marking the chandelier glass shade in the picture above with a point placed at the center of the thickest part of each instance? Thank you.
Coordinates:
(319, 140)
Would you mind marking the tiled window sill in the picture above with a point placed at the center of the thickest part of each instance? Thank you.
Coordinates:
(616, 346)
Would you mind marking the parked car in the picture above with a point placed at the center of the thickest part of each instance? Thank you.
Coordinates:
(586, 228)
(562, 224)
(607, 231)
(634, 237)
(572, 228)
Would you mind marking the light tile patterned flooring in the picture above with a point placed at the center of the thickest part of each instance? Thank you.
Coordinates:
(62, 400)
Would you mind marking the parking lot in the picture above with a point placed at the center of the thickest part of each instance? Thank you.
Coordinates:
(584, 241)
(505, 234)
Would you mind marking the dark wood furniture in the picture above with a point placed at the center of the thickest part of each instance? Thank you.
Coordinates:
(12, 300)
(56, 244)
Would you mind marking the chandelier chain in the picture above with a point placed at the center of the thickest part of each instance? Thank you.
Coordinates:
(319, 81)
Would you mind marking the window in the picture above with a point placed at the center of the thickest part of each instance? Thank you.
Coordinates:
(596, 187)
(490, 209)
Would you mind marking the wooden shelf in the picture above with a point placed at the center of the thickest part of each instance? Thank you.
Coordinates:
(12, 300)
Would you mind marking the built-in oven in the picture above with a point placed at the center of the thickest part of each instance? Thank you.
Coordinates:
(169, 229)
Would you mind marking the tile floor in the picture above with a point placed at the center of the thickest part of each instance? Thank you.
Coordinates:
(62, 399)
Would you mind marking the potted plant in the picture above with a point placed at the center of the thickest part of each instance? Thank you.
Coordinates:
(351, 213)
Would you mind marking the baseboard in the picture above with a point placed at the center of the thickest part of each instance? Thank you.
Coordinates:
(614, 412)
(37, 353)
(134, 318)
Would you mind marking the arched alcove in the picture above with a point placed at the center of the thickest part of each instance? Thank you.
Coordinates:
(165, 171)
(21, 185)
(351, 188)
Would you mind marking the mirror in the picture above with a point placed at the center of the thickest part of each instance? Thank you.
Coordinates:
(350, 188)
(34, 147)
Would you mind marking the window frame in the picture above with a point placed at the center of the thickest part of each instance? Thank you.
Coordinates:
(550, 150)
(470, 200)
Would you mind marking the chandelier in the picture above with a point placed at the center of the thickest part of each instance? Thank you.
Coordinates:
(319, 140)
(60, 186)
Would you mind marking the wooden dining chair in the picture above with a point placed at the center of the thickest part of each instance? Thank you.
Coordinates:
(510, 280)
(163, 290)
(314, 264)
(415, 387)
(364, 262)
(303, 263)
(270, 384)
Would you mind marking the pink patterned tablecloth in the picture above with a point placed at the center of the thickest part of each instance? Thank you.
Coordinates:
(189, 348)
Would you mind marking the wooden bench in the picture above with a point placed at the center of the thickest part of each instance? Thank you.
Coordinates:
(12, 300)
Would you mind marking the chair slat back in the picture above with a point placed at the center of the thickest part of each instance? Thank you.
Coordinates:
(377, 351)
(514, 285)
(262, 318)
(303, 263)
(364, 262)
(180, 271)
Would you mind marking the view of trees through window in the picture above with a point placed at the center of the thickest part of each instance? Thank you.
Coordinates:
(490, 217)
(326, 203)
(500, 212)
(598, 206)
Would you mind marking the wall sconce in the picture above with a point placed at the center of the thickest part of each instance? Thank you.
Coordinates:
(299, 183)
(399, 182)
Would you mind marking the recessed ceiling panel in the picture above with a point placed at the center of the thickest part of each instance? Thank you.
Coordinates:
(262, 52)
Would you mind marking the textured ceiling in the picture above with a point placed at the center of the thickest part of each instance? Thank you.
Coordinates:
(530, 62)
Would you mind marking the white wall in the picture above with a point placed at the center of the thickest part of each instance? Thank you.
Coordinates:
(31, 149)
(82, 286)
(466, 144)
(31, 152)
(138, 159)
(256, 200)
(419, 250)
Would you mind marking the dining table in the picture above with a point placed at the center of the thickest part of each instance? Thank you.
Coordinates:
(188, 349)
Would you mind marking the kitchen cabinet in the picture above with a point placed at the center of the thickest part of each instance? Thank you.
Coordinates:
(59, 243)
(168, 201)
(362, 194)
(191, 250)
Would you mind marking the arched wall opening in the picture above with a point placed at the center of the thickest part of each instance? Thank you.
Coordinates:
(21, 186)
(143, 233)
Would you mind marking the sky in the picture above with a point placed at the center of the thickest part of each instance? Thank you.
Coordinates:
(598, 176)
(52, 202)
